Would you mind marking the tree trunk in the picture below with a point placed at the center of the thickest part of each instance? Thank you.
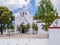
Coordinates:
(33, 31)
(36, 32)
(1, 29)
(21, 31)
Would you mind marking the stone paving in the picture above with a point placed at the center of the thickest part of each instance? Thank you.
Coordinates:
(39, 36)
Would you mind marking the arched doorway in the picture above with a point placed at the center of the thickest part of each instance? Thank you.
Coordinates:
(23, 30)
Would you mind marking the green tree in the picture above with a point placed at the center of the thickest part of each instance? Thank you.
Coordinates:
(6, 17)
(21, 25)
(27, 27)
(11, 26)
(46, 13)
(34, 27)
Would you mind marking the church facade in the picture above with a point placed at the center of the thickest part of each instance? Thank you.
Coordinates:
(25, 18)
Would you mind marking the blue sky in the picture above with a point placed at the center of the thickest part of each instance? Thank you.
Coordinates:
(30, 5)
(32, 8)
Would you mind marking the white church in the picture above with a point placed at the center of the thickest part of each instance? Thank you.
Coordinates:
(24, 17)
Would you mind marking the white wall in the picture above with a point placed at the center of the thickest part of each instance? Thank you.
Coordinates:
(40, 30)
(24, 42)
(54, 36)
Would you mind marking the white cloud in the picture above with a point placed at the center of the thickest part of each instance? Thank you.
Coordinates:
(13, 4)
(37, 2)
(53, 1)
(56, 4)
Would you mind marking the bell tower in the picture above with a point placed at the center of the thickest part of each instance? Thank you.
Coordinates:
(24, 11)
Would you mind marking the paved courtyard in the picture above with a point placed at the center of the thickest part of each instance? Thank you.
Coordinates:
(18, 36)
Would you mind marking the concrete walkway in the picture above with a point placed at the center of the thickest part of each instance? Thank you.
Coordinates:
(19, 36)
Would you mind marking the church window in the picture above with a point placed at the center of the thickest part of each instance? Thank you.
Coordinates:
(23, 13)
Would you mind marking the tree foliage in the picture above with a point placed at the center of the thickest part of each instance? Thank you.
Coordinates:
(46, 13)
(27, 27)
(35, 27)
(6, 17)
(11, 26)
(22, 26)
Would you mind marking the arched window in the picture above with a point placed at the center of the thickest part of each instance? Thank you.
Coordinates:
(23, 13)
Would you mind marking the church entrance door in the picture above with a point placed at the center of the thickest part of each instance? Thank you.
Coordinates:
(23, 30)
